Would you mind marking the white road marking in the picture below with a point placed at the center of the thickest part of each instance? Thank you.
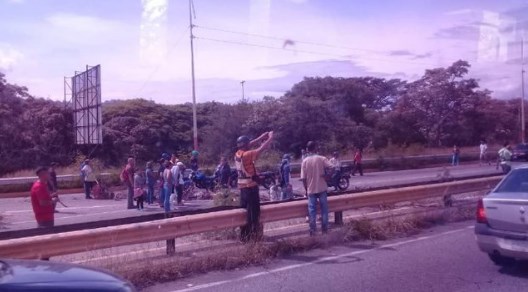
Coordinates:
(61, 208)
(325, 259)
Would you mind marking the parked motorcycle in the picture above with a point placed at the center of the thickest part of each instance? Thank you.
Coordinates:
(203, 181)
(266, 179)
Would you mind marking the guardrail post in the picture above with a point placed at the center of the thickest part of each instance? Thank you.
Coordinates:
(171, 243)
(448, 201)
(338, 218)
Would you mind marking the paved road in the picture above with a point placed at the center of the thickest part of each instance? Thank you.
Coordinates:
(444, 258)
(17, 212)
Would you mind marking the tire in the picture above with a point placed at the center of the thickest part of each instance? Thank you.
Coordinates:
(268, 182)
(501, 261)
(344, 183)
(233, 183)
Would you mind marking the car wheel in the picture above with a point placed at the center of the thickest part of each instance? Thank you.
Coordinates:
(499, 260)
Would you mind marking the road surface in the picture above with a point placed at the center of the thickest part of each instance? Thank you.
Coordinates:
(444, 258)
(17, 213)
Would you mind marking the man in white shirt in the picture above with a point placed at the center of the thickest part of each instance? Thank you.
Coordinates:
(89, 178)
(505, 156)
(177, 175)
(484, 153)
(312, 175)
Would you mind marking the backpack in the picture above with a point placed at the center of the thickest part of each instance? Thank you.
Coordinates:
(124, 175)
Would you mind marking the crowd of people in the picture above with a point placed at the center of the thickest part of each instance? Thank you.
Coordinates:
(141, 184)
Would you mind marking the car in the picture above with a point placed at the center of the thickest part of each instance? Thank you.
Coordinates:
(35, 275)
(501, 226)
(520, 152)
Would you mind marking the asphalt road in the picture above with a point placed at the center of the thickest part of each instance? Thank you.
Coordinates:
(444, 258)
(17, 213)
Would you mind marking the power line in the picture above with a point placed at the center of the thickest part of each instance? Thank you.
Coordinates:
(285, 38)
(269, 47)
(305, 51)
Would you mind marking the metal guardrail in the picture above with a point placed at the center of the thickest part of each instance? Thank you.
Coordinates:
(87, 240)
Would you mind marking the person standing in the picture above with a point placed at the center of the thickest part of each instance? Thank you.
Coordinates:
(41, 199)
(285, 173)
(139, 189)
(456, 155)
(168, 183)
(247, 175)
(312, 175)
(89, 178)
(358, 162)
(223, 172)
(151, 182)
(177, 177)
(128, 179)
(194, 160)
(484, 153)
(161, 169)
(53, 185)
(505, 157)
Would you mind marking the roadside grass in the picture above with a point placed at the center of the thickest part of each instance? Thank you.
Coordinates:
(151, 271)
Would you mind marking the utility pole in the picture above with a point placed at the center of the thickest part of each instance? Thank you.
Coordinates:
(195, 122)
(523, 130)
(243, 95)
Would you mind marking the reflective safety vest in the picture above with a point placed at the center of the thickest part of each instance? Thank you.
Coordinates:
(245, 172)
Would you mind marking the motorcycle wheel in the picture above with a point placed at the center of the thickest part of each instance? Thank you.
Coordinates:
(268, 182)
(344, 183)
(233, 183)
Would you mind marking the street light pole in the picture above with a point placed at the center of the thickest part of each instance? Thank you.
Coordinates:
(523, 126)
(243, 94)
(195, 122)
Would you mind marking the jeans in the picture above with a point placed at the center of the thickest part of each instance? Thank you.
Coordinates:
(179, 193)
(167, 190)
(130, 198)
(312, 210)
(88, 188)
(358, 167)
(150, 194)
(456, 159)
(335, 179)
(250, 200)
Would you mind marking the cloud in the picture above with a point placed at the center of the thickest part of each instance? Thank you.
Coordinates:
(464, 32)
(9, 57)
(411, 55)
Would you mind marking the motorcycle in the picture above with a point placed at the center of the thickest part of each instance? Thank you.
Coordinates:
(265, 179)
(203, 181)
(341, 182)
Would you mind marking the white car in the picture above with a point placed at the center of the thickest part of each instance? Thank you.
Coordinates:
(502, 219)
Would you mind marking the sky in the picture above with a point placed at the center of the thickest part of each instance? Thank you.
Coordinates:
(143, 46)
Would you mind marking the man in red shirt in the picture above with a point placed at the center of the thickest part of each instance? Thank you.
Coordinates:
(41, 199)
(358, 164)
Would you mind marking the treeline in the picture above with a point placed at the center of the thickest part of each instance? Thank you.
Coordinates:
(442, 108)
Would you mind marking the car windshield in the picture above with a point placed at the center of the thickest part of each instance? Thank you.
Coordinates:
(515, 182)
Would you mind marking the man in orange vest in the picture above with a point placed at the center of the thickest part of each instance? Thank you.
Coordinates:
(248, 181)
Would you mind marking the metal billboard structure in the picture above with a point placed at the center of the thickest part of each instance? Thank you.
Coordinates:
(85, 89)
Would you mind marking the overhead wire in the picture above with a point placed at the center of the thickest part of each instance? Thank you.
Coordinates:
(306, 51)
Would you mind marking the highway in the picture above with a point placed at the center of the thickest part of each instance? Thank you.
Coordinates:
(444, 258)
(17, 213)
